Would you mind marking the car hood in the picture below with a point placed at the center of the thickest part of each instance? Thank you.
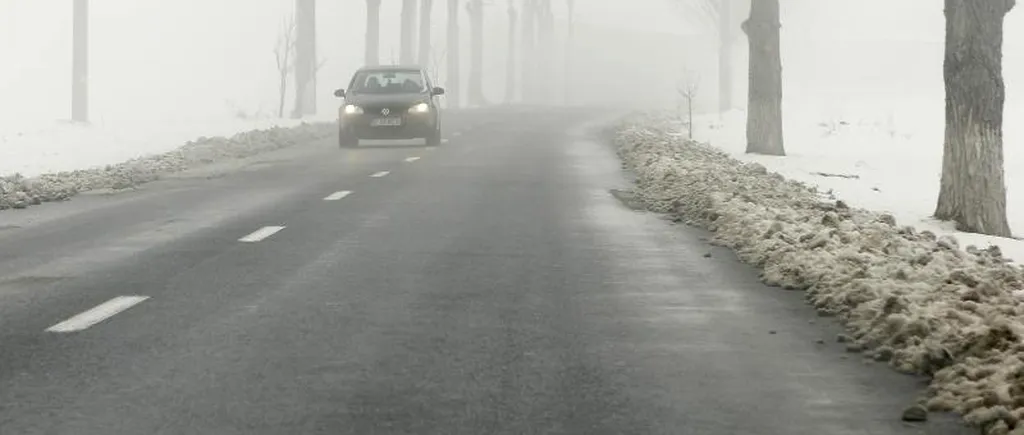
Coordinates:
(385, 99)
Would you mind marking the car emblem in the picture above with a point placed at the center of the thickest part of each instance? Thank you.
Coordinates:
(385, 112)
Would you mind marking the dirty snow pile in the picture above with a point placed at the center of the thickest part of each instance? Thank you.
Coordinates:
(908, 298)
(17, 191)
(860, 150)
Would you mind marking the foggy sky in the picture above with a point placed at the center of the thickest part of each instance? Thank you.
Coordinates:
(201, 58)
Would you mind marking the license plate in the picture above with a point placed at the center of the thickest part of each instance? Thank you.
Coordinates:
(386, 122)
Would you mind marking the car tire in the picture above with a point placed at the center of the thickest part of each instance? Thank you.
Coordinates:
(435, 138)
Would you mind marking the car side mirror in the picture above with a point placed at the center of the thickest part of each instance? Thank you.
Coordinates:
(339, 93)
(437, 91)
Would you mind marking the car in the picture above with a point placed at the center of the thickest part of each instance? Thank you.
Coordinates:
(392, 102)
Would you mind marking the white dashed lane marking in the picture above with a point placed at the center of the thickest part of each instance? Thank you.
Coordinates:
(97, 314)
(381, 174)
(337, 195)
(411, 159)
(260, 234)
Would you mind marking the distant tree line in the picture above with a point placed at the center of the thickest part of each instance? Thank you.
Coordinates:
(535, 33)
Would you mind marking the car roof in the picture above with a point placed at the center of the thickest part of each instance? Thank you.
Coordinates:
(392, 68)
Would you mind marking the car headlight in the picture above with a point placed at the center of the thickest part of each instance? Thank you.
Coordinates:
(420, 108)
(352, 109)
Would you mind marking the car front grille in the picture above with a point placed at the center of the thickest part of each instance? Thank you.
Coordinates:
(394, 110)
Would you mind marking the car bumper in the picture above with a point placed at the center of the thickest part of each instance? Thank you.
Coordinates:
(412, 127)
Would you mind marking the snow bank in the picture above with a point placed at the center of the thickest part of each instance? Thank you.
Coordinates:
(886, 157)
(907, 297)
(17, 191)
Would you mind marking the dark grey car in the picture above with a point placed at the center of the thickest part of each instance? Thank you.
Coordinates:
(389, 102)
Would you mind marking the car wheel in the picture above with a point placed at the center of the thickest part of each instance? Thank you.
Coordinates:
(435, 138)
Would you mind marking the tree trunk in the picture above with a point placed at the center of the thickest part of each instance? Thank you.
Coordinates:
(567, 73)
(282, 92)
(510, 59)
(453, 71)
(972, 192)
(476, 52)
(283, 59)
(305, 58)
(546, 51)
(424, 52)
(407, 51)
(764, 95)
(689, 116)
(80, 63)
(371, 55)
(725, 39)
(528, 53)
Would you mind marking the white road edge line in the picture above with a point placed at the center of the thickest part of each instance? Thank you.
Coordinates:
(260, 234)
(411, 159)
(337, 195)
(457, 133)
(380, 174)
(97, 314)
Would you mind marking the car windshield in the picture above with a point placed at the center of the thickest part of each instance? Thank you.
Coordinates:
(388, 82)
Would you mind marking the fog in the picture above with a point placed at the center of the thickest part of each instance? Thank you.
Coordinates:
(157, 59)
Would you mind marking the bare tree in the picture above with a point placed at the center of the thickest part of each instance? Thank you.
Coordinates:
(726, 37)
(437, 58)
(546, 36)
(528, 56)
(475, 9)
(717, 14)
(283, 54)
(972, 191)
(510, 58)
(764, 96)
(567, 73)
(686, 88)
(453, 69)
(426, 9)
(371, 55)
(80, 63)
(306, 64)
(407, 54)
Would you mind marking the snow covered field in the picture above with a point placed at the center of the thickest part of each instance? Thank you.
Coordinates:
(41, 148)
(17, 191)
(864, 105)
(149, 94)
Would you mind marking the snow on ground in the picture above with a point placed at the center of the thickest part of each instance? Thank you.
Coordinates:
(157, 104)
(906, 296)
(868, 101)
(114, 169)
(893, 155)
(33, 149)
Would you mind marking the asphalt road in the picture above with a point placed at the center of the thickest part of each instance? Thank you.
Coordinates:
(487, 286)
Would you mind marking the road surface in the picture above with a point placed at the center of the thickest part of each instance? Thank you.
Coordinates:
(487, 286)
